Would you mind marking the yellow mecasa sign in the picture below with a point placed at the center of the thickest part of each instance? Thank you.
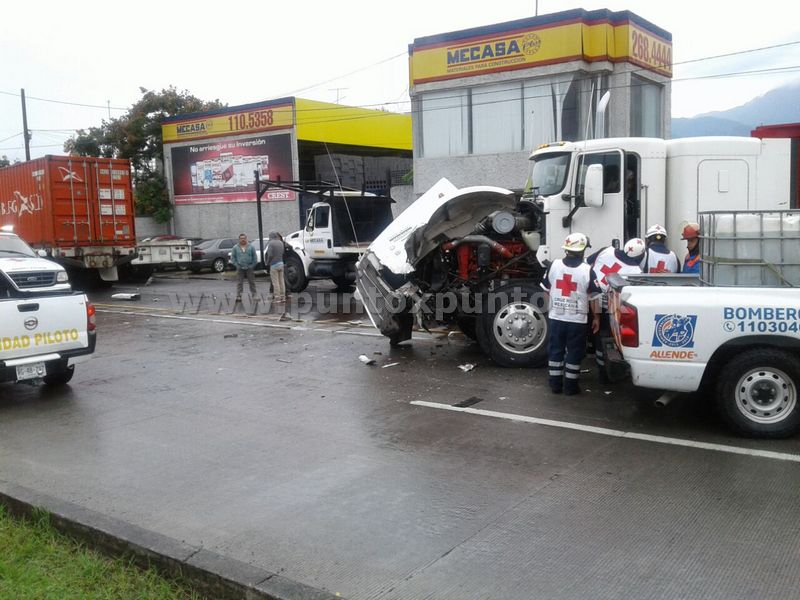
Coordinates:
(576, 35)
(247, 119)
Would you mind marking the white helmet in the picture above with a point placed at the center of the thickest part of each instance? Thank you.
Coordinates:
(634, 247)
(575, 242)
(655, 230)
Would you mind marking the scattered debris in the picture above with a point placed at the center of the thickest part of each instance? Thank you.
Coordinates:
(378, 353)
(231, 335)
(155, 299)
(389, 365)
(586, 370)
(354, 322)
(608, 393)
(127, 296)
(366, 359)
(503, 398)
(466, 367)
(283, 360)
(456, 335)
(149, 280)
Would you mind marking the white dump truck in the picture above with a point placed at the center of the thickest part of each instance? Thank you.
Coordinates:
(733, 331)
(471, 242)
(340, 223)
(46, 327)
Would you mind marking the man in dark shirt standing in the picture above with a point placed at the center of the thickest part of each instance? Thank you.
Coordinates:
(275, 262)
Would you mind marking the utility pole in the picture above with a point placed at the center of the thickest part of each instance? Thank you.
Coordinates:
(108, 102)
(337, 90)
(25, 133)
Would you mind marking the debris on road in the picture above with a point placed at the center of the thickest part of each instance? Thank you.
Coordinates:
(283, 360)
(231, 335)
(126, 296)
(366, 359)
(390, 365)
(466, 367)
(355, 322)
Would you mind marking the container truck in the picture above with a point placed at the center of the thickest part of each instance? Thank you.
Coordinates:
(79, 210)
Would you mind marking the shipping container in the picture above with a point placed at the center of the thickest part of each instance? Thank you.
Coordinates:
(78, 209)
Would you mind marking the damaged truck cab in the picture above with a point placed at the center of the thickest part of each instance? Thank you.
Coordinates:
(475, 256)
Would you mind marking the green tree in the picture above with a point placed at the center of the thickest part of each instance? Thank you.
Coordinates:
(4, 162)
(136, 135)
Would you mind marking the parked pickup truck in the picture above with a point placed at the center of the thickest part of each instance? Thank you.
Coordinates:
(45, 327)
(734, 332)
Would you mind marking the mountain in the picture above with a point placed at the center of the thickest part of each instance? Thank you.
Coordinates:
(781, 105)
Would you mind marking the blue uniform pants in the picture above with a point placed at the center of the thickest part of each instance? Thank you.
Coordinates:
(566, 349)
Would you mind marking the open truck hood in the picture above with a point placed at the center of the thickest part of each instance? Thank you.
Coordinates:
(442, 213)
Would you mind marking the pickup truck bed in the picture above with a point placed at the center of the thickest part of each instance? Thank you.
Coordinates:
(741, 344)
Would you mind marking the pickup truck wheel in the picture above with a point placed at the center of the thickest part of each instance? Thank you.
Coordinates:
(757, 393)
(60, 377)
(219, 265)
(294, 274)
(515, 334)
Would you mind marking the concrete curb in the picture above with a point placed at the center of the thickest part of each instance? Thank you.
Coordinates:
(213, 575)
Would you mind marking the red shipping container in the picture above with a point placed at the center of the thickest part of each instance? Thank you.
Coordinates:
(79, 209)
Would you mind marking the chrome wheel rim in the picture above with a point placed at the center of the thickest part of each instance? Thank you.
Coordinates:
(765, 395)
(519, 328)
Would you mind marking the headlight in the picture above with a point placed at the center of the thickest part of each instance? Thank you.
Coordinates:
(62, 277)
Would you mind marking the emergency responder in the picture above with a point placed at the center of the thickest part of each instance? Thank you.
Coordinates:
(570, 282)
(691, 233)
(659, 259)
(612, 260)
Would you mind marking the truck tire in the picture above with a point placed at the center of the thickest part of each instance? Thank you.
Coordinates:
(515, 334)
(757, 393)
(294, 274)
(60, 377)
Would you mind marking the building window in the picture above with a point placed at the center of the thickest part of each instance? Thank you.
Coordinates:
(497, 118)
(445, 123)
(646, 112)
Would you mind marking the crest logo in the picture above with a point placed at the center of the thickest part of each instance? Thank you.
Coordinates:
(674, 331)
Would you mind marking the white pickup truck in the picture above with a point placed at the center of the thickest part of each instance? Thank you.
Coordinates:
(734, 333)
(45, 327)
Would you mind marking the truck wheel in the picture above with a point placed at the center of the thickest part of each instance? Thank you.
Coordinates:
(294, 274)
(219, 265)
(60, 377)
(513, 332)
(757, 393)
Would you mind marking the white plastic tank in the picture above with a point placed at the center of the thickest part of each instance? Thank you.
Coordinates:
(750, 248)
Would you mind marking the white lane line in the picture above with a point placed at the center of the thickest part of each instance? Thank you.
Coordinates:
(658, 439)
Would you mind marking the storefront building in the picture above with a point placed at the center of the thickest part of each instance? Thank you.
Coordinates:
(211, 159)
(483, 98)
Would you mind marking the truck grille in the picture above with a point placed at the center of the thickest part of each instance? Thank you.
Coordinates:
(33, 279)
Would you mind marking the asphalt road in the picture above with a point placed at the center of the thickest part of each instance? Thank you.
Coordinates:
(270, 442)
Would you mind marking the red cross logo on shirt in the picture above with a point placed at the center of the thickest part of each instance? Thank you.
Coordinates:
(566, 285)
(661, 267)
(606, 271)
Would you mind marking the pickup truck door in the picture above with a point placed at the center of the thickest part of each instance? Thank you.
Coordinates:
(318, 234)
(605, 223)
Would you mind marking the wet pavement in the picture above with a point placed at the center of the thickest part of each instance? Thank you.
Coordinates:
(270, 442)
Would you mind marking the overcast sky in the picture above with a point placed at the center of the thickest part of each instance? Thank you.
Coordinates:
(238, 52)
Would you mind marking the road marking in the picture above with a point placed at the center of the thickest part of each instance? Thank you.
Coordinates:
(631, 435)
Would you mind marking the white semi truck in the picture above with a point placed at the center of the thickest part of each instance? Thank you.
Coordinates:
(477, 241)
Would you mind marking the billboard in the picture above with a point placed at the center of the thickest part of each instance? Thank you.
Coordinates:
(223, 170)
(250, 118)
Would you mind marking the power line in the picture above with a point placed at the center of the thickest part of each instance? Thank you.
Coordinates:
(10, 137)
(104, 106)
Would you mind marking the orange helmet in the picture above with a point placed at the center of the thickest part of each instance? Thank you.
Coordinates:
(691, 231)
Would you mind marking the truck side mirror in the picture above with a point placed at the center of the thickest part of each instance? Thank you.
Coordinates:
(593, 186)
(41, 253)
